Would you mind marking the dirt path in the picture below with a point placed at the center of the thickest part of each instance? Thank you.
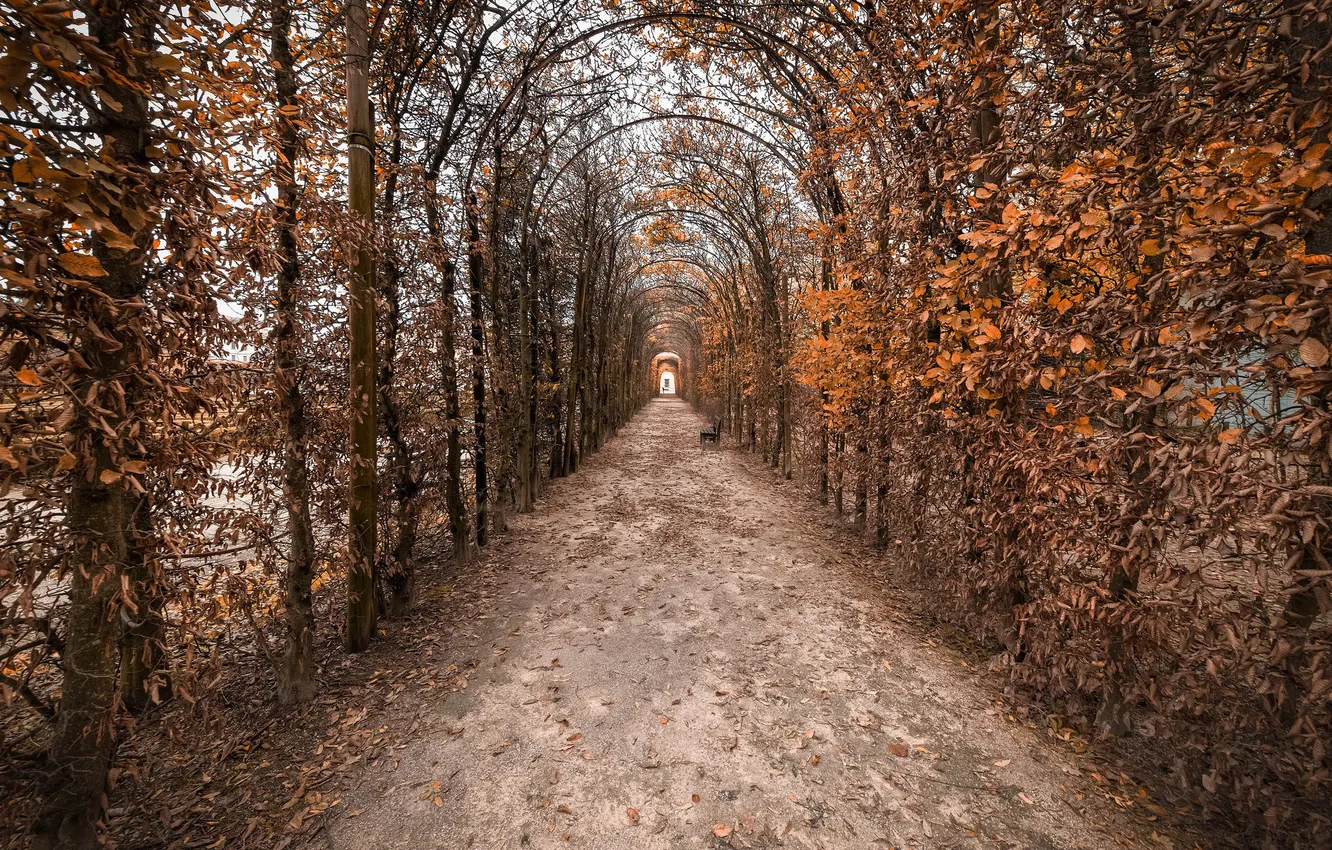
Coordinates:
(672, 659)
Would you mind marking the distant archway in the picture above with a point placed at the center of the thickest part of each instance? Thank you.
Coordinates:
(667, 375)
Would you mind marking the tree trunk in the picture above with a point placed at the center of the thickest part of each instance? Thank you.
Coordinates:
(399, 567)
(527, 368)
(142, 681)
(476, 262)
(499, 375)
(532, 316)
(839, 450)
(558, 451)
(825, 329)
(97, 512)
(1113, 716)
(363, 400)
(85, 727)
(456, 506)
(296, 673)
(571, 439)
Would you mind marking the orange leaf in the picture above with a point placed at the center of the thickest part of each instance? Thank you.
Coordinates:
(83, 265)
(29, 377)
(721, 830)
(1230, 436)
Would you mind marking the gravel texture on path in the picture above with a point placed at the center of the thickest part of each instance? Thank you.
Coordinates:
(671, 652)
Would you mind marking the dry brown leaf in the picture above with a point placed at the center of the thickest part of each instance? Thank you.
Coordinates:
(1313, 352)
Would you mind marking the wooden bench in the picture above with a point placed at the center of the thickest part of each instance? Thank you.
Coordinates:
(710, 434)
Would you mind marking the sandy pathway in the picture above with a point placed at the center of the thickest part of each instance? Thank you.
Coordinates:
(672, 659)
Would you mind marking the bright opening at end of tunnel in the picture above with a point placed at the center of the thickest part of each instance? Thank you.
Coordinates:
(667, 384)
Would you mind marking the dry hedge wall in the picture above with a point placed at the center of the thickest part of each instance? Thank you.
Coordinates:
(1075, 353)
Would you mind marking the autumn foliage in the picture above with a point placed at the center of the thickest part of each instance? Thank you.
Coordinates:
(1074, 361)
(1037, 295)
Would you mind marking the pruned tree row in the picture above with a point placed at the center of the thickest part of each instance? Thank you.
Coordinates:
(293, 298)
(1058, 343)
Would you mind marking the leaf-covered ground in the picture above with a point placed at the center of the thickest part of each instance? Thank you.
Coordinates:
(672, 653)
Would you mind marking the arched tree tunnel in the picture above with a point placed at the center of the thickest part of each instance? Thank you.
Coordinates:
(301, 302)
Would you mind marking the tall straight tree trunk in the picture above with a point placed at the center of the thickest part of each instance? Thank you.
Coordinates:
(571, 437)
(784, 385)
(98, 511)
(1113, 715)
(363, 400)
(460, 529)
(860, 494)
(532, 317)
(503, 442)
(529, 364)
(882, 464)
(476, 262)
(295, 682)
(558, 451)
(602, 334)
(587, 386)
(399, 567)
(825, 329)
(526, 369)
(459, 523)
